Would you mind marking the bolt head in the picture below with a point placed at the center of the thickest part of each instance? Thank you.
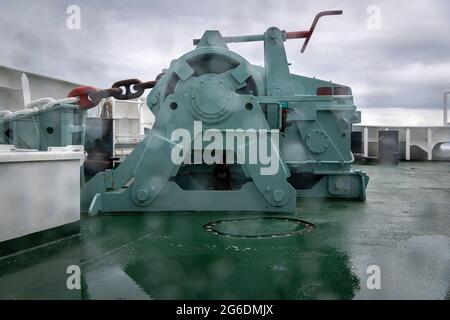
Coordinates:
(142, 194)
(273, 33)
(278, 195)
(153, 100)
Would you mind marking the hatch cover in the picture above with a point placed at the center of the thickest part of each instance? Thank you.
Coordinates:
(262, 227)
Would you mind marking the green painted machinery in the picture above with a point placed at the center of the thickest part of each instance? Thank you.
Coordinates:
(214, 90)
(39, 128)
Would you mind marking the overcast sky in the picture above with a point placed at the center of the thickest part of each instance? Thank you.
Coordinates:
(405, 63)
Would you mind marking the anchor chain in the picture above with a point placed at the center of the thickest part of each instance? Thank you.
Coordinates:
(127, 89)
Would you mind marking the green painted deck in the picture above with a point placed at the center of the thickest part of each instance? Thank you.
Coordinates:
(403, 227)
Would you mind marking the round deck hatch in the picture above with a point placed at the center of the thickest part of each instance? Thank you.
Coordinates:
(263, 227)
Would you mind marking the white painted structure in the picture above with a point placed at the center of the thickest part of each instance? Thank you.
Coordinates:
(39, 190)
(18, 88)
(416, 143)
(131, 120)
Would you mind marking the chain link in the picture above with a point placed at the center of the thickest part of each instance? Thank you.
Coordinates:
(89, 97)
(122, 90)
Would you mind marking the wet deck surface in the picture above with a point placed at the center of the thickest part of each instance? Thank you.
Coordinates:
(403, 227)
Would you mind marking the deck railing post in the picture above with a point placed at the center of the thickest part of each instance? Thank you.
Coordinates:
(366, 141)
(445, 107)
(408, 144)
(430, 143)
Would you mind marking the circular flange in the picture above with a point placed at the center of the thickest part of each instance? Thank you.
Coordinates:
(211, 99)
(262, 227)
(317, 141)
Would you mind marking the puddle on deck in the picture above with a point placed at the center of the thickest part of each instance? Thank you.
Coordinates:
(403, 227)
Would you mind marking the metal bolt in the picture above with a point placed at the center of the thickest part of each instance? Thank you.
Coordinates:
(142, 194)
(278, 195)
(273, 33)
(153, 100)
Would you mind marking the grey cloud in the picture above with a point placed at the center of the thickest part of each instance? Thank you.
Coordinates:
(405, 64)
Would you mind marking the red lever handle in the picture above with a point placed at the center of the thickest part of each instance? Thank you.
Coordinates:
(308, 34)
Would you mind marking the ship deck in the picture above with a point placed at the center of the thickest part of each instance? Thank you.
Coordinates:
(403, 228)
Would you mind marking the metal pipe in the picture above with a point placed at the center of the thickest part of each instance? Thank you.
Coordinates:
(352, 159)
(297, 34)
(286, 35)
(249, 38)
(313, 25)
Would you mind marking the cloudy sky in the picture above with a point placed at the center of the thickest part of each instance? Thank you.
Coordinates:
(403, 64)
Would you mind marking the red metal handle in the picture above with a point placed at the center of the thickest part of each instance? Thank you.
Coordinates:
(308, 34)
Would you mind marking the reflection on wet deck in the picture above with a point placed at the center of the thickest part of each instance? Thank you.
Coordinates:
(403, 227)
